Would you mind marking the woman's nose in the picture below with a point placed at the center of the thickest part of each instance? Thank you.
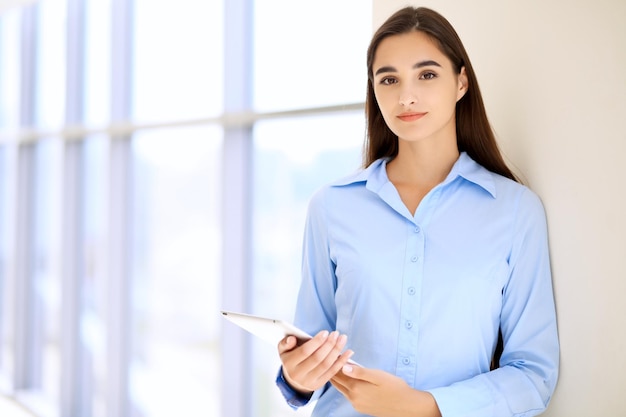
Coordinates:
(407, 98)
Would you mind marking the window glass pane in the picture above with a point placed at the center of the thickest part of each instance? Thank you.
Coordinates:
(9, 121)
(95, 252)
(97, 61)
(10, 74)
(312, 55)
(7, 179)
(178, 59)
(292, 159)
(176, 272)
(47, 282)
(50, 107)
(51, 64)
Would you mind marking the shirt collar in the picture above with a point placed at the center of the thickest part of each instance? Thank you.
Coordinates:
(473, 172)
(465, 167)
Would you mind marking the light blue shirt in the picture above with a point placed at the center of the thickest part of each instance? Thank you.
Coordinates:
(423, 296)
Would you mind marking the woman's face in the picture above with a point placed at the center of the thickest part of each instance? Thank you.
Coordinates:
(416, 87)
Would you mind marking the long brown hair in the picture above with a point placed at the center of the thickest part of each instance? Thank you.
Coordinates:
(474, 134)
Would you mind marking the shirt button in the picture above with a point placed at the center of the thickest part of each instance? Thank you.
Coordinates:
(409, 324)
(417, 229)
(414, 259)
(411, 290)
(406, 361)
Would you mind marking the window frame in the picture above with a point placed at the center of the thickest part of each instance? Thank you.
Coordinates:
(237, 120)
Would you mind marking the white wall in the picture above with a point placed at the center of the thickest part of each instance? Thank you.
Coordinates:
(553, 76)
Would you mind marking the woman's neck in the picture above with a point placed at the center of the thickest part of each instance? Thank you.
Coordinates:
(421, 164)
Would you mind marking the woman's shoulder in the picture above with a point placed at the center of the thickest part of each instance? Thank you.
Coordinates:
(510, 195)
(498, 185)
(520, 199)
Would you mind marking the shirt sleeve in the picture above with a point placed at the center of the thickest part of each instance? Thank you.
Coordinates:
(294, 399)
(315, 309)
(526, 379)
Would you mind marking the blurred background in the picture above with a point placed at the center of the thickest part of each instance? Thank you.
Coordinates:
(156, 160)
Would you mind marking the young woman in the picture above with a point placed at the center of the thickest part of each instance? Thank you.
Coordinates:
(428, 257)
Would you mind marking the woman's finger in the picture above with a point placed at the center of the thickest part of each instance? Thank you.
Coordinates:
(287, 344)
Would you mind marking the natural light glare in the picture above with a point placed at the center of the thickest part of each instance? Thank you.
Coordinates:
(310, 54)
(183, 151)
(145, 208)
(293, 158)
(10, 81)
(98, 62)
(51, 68)
(310, 138)
(177, 59)
(176, 269)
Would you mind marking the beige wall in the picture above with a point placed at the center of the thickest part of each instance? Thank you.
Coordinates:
(553, 76)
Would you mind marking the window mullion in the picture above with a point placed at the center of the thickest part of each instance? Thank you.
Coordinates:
(27, 370)
(27, 374)
(74, 388)
(74, 398)
(119, 316)
(236, 204)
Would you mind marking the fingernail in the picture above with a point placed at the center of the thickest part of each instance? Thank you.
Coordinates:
(325, 334)
(347, 369)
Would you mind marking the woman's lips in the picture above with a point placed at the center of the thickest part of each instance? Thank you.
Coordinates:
(410, 117)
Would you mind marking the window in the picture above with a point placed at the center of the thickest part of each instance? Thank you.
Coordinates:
(50, 47)
(46, 290)
(9, 121)
(97, 91)
(157, 170)
(7, 157)
(293, 158)
(94, 292)
(305, 55)
(299, 63)
(177, 60)
(175, 270)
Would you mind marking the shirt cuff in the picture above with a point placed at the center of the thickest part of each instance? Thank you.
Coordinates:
(293, 397)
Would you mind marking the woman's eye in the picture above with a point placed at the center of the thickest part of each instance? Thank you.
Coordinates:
(388, 81)
(428, 76)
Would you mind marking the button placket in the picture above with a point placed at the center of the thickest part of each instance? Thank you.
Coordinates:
(410, 304)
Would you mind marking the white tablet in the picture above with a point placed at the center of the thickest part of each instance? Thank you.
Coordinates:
(270, 330)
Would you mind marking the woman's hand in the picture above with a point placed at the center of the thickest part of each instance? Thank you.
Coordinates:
(378, 393)
(310, 366)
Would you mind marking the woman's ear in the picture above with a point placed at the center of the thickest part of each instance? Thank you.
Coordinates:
(462, 89)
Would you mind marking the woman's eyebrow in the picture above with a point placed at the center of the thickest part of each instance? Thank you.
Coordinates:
(427, 63)
(385, 69)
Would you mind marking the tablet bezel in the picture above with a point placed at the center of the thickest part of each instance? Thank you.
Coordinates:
(269, 329)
